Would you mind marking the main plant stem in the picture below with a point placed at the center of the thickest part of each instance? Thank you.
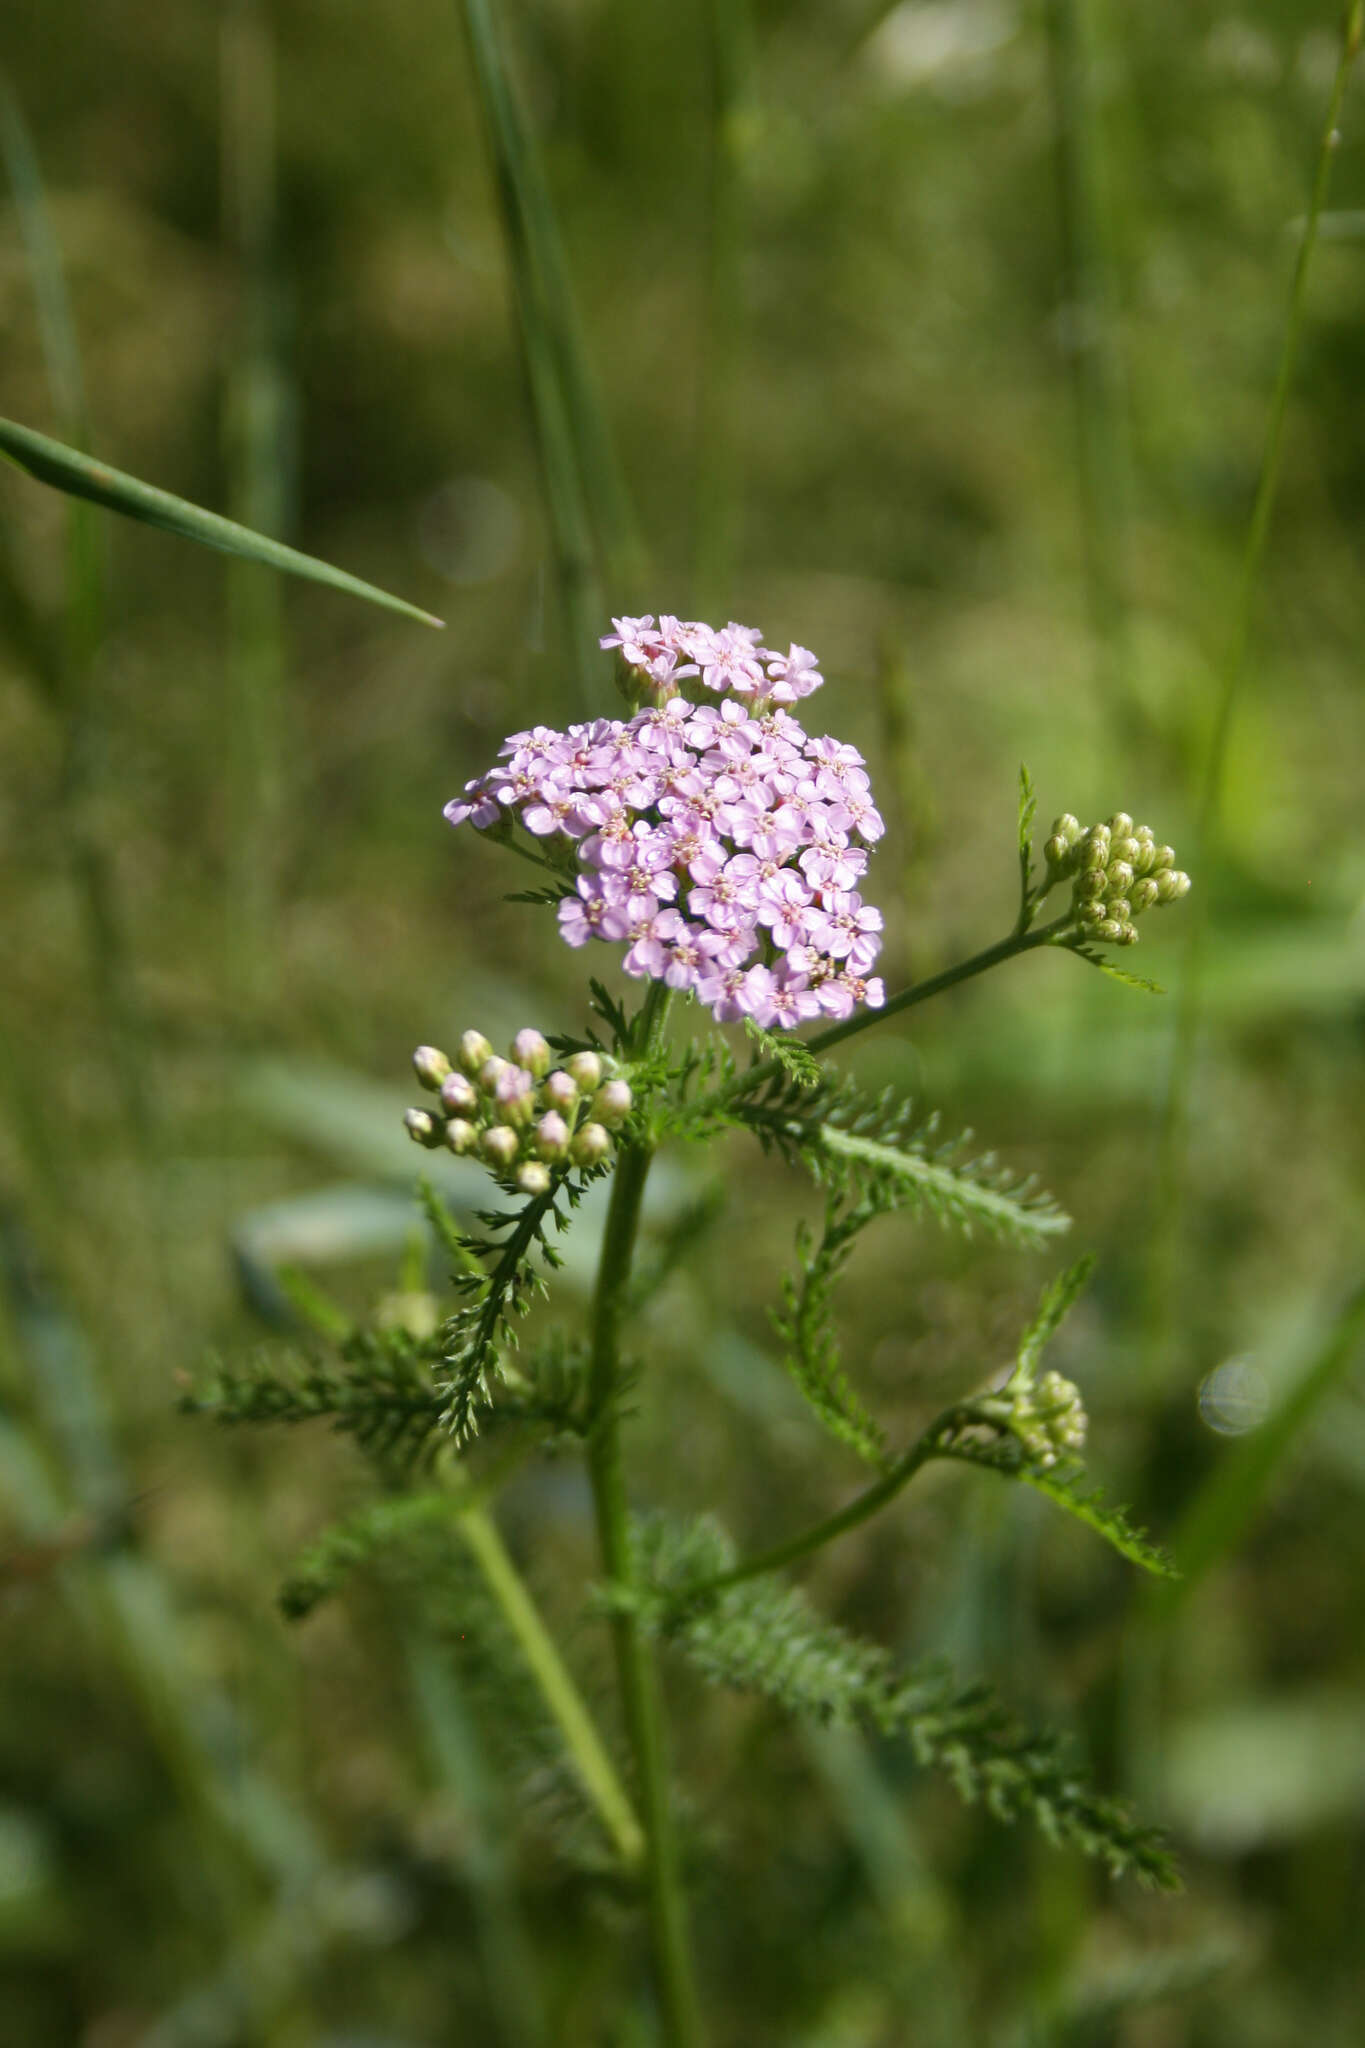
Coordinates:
(635, 1668)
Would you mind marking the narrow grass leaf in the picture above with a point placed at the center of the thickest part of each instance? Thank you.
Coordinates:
(80, 476)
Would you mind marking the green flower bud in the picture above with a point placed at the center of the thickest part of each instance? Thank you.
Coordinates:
(1172, 885)
(1162, 859)
(1109, 929)
(1128, 936)
(1118, 875)
(1057, 853)
(1126, 849)
(430, 1065)
(460, 1136)
(1120, 825)
(473, 1051)
(459, 1096)
(1119, 909)
(533, 1178)
(491, 1072)
(585, 1068)
(499, 1146)
(421, 1127)
(1091, 914)
(590, 1146)
(552, 1136)
(1066, 828)
(559, 1090)
(1090, 886)
(530, 1050)
(611, 1104)
(1095, 847)
(1144, 894)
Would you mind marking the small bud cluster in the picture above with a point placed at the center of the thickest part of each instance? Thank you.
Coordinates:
(1117, 870)
(1049, 1420)
(521, 1116)
(720, 843)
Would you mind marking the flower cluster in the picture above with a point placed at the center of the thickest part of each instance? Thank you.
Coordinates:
(518, 1115)
(1119, 871)
(718, 842)
(1049, 1419)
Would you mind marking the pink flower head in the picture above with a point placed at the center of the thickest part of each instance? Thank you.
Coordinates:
(711, 840)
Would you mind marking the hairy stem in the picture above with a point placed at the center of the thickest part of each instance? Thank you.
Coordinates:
(918, 992)
(561, 1695)
(635, 1668)
(860, 1509)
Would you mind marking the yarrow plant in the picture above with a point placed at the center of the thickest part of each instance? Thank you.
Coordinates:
(723, 850)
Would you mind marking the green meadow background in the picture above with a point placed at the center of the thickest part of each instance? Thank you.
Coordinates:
(940, 338)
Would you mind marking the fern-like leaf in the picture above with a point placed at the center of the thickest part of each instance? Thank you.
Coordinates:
(762, 1636)
(351, 1545)
(1106, 966)
(805, 1325)
(1058, 1299)
(500, 1279)
(379, 1391)
(880, 1148)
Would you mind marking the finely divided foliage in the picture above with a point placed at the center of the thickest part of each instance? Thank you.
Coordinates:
(764, 1637)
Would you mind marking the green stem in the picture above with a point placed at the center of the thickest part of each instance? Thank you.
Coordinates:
(919, 992)
(561, 1695)
(1170, 1176)
(860, 1509)
(634, 1658)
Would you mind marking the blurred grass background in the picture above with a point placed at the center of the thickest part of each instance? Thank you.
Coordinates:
(937, 337)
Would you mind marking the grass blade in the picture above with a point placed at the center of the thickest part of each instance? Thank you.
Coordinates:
(80, 476)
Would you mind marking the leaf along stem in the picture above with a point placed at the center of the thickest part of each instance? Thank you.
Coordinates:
(591, 1761)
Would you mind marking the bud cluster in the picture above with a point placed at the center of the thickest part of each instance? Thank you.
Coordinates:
(1048, 1419)
(1117, 870)
(522, 1116)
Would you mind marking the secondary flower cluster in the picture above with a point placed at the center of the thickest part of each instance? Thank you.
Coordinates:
(1119, 872)
(520, 1116)
(718, 842)
(1049, 1419)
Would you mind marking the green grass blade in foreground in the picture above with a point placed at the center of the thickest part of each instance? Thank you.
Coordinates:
(80, 476)
(1227, 1503)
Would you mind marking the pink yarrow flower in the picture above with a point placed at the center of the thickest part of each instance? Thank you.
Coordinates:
(717, 841)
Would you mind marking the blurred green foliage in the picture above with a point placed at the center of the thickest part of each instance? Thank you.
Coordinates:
(937, 337)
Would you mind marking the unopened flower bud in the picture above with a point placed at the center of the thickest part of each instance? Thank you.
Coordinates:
(1128, 935)
(585, 1068)
(473, 1051)
(1144, 894)
(1109, 928)
(1118, 875)
(491, 1072)
(458, 1095)
(559, 1090)
(1066, 828)
(1090, 885)
(1171, 885)
(533, 1178)
(1126, 849)
(1091, 914)
(421, 1127)
(530, 1050)
(1120, 825)
(1095, 848)
(611, 1104)
(552, 1136)
(1057, 853)
(430, 1065)
(499, 1146)
(516, 1095)
(461, 1136)
(1162, 860)
(1119, 909)
(590, 1146)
